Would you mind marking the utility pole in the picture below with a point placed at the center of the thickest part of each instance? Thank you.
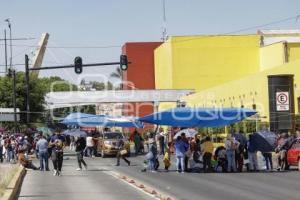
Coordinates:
(5, 50)
(27, 89)
(14, 99)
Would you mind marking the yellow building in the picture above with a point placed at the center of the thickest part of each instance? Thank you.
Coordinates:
(228, 71)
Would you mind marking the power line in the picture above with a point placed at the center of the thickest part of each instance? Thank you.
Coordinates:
(18, 39)
(296, 17)
(69, 47)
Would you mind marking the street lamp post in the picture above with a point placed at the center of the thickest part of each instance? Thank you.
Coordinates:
(10, 42)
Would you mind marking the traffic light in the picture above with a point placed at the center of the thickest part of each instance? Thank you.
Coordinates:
(78, 65)
(123, 62)
(10, 72)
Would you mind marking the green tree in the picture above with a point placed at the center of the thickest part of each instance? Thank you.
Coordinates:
(38, 88)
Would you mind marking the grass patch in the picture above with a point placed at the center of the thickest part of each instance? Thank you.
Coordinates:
(6, 175)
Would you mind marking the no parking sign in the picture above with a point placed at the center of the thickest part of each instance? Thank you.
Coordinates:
(282, 101)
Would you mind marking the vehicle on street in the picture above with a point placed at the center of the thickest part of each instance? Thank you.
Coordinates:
(107, 143)
(293, 155)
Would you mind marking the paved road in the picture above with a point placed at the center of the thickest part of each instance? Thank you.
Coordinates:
(213, 186)
(97, 183)
(82, 185)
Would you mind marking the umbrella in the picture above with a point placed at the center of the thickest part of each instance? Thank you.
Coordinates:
(46, 131)
(124, 122)
(75, 133)
(264, 141)
(198, 117)
(82, 119)
(188, 133)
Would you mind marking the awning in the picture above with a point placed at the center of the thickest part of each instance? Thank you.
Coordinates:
(82, 119)
(198, 117)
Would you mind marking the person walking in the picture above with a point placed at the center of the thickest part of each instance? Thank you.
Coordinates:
(57, 143)
(80, 145)
(121, 152)
(181, 148)
(42, 148)
(231, 145)
(207, 150)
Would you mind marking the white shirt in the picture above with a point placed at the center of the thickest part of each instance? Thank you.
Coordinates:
(89, 141)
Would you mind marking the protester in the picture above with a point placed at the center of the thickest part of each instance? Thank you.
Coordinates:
(239, 152)
(24, 161)
(231, 145)
(42, 148)
(72, 143)
(207, 150)
(80, 145)
(181, 148)
(161, 140)
(137, 142)
(121, 152)
(167, 159)
(89, 146)
(188, 152)
(281, 149)
(151, 155)
(268, 159)
(252, 154)
(1, 148)
(57, 143)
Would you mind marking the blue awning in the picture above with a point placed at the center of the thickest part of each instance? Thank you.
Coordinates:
(198, 117)
(82, 119)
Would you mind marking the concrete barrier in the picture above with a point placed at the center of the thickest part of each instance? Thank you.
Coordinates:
(14, 186)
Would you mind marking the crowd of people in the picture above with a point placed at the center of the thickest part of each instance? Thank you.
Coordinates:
(237, 154)
(192, 154)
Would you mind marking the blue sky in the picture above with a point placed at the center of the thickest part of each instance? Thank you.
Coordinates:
(113, 22)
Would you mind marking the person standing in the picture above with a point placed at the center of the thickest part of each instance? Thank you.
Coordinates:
(42, 148)
(181, 148)
(89, 146)
(268, 159)
(188, 153)
(252, 154)
(207, 150)
(1, 148)
(120, 154)
(161, 140)
(57, 143)
(80, 145)
(137, 142)
(152, 155)
(231, 145)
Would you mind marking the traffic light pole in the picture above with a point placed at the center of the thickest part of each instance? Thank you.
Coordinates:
(72, 66)
(27, 69)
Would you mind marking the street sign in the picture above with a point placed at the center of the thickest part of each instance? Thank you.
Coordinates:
(282, 101)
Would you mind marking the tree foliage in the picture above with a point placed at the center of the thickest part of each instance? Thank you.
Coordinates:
(38, 88)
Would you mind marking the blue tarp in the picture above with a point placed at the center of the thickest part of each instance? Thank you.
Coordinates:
(198, 117)
(82, 119)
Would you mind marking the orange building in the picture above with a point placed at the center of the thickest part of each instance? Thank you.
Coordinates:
(139, 75)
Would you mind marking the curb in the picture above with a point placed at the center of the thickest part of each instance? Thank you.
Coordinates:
(146, 188)
(12, 189)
